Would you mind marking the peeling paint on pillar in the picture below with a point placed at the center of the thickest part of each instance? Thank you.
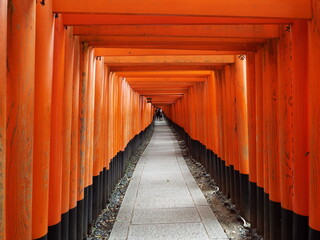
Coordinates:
(20, 118)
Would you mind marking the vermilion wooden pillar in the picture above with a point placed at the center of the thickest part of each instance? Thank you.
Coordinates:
(314, 130)
(214, 110)
(215, 113)
(207, 122)
(285, 130)
(42, 118)
(114, 115)
(20, 117)
(105, 160)
(235, 175)
(259, 140)
(251, 105)
(207, 107)
(56, 150)
(90, 131)
(105, 117)
(242, 131)
(126, 117)
(265, 128)
(3, 114)
(110, 115)
(83, 97)
(301, 143)
(103, 183)
(98, 136)
(228, 129)
(202, 120)
(220, 126)
(226, 133)
(74, 143)
(66, 130)
(270, 142)
(273, 142)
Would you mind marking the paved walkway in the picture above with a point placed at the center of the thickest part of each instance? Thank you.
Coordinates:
(163, 200)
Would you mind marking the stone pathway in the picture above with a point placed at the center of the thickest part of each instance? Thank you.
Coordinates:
(163, 201)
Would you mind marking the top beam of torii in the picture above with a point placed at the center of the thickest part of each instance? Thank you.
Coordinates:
(300, 9)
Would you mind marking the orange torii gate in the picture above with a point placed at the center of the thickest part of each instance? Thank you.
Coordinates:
(238, 79)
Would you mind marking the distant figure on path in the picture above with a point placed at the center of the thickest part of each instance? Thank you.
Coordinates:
(158, 114)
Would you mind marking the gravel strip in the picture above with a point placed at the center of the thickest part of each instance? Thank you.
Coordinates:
(102, 227)
(233, 224)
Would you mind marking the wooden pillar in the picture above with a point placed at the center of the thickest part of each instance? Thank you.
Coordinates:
(215, 113)
(102, 143)
(236, 174)
(42, 118)
(314, 116)
(301, 138)
(83, 97)
(213, 106)
(98, 137)
(56, 150)
(3, 115)
(228, 129)
(242, 132)
(235, 159)
(270, 142)
(265, 128)
(110, 122)
(90, 134)
(259, 140)
(20, 118)
(219, 113)
(273, 142)
(105, 159)
(225, 130)
(251, 106)
(220, 127)
(66, 130)
(74, 143)
(201, 114)
(285, 130)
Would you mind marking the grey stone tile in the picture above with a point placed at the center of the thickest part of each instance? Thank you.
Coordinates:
(163, 192)
(211, 223)
(195, 191)
(164, 178)
(165, 215)
(173, 202)
(125, 213)
(162, 184)
(160, 170)
(181, 231)
(120, 230)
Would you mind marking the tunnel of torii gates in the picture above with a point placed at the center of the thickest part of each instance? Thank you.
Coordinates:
(80, 81)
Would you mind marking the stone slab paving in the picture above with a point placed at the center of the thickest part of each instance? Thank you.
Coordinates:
(163, 201)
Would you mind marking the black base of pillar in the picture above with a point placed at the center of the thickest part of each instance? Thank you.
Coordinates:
(300, 227)
(266, 234)
(65, 226)
(314, 234)
(253, 204)
(245, 196)
(73, 224)
(54, 232)
(260, 210)
(275, 220)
